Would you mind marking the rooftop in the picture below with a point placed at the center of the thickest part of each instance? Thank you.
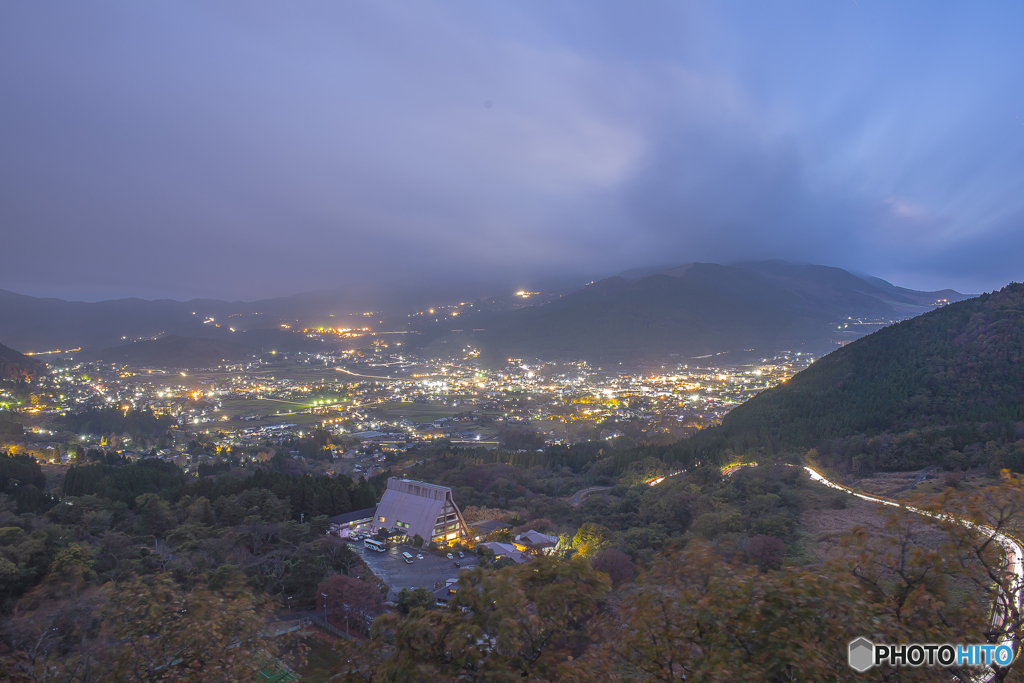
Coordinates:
(354, 516)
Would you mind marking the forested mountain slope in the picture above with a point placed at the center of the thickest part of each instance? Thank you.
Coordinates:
(959, 368)
(750, 309)
(14, 365)
(713, 308)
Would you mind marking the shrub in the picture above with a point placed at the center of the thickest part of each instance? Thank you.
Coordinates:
(767, 552)
(616, 564)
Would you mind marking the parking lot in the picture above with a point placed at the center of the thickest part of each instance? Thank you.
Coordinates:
(426, 573)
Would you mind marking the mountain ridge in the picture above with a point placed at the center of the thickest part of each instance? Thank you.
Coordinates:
(692, 310)
(904, 397)
(699, 308)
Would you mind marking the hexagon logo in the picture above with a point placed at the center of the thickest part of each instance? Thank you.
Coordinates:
(862, 654)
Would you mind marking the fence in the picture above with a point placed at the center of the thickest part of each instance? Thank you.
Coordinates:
(323, 624)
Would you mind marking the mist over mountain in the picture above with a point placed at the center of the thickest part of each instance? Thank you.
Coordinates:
(695, 310)
(687, 310)
(171, 351)
(43, 324)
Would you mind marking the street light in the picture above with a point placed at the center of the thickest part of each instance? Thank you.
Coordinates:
(325, 607)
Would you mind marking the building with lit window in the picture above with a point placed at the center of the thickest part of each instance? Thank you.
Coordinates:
(351, 522)
(421, 509)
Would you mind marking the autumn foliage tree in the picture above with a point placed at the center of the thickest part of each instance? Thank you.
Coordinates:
(358, 600)
(700, 615)
(616, 564)
(766, 552)
(529, 622)
(696, 617)
(146, 629)
(159, 632)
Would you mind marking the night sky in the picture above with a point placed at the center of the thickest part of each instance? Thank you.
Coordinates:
(246, 150)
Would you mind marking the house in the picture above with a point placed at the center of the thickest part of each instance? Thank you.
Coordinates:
(445, 593)
(506, 550)
(485, 527)
(421, 509)
(536, 543)
(350, 522)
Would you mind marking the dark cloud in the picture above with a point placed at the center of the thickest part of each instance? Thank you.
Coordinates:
(244, 150)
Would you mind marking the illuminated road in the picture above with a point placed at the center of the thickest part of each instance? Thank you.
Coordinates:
(1012, 548)
(354, 374)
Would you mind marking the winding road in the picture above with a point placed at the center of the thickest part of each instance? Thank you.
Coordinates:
(1012, 548)
(578, 497)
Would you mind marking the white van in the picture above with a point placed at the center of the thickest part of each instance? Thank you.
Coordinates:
(408, 558)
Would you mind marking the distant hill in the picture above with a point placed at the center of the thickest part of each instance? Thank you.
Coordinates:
(689, 310)
(710, 309)
(905, 396)
(14, 365)
(839, 291)
(695, 310)
(171, 351)
(44, 324)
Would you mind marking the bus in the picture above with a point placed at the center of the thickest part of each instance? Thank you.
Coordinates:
(408, 558)
(375, 545)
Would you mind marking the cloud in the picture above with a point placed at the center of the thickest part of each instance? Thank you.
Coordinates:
(244, 150)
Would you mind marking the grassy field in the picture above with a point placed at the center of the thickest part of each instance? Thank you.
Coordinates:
(418, 412)
(824, 526)
(321, 656)
(253, 406)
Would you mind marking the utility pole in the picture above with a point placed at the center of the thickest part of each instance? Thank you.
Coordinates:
(325, 608)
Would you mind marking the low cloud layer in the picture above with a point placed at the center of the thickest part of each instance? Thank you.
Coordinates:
(245, 150)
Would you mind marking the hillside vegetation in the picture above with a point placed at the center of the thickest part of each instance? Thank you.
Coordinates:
(945, 380)
(750, 309)
(18, 366)
(719, 308)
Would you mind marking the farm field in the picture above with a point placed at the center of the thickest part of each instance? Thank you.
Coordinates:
(418, 412)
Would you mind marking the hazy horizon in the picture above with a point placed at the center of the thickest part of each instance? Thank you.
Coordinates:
(401, 292)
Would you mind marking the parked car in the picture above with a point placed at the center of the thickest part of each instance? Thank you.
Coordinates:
(461, 554)
(457, 564)
(419, 556)
(450, 556)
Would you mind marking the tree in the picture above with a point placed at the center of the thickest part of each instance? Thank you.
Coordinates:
(141, 630)
(156, 515)
(616, 564)
(55, 630)
(523, 623)
(590, 539)
(417, 598)
(767, 552)
(915, 581)
(158, 632)
(353, 599)
(695, 617)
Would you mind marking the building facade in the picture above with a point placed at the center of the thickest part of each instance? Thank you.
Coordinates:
(421, 509)
(351, 522)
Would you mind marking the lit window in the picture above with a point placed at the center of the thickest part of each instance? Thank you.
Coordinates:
(380, 519)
